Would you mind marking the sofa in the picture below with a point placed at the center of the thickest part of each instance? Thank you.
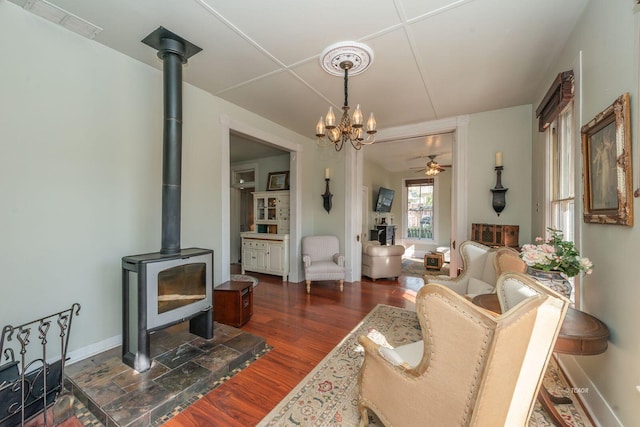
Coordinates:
(381, 261)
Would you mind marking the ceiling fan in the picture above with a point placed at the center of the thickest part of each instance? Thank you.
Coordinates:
(432, 168)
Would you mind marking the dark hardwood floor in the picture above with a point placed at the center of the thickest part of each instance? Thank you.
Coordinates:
(302, 328)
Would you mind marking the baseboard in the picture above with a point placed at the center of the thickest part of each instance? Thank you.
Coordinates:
(596, 405)
(93, 349)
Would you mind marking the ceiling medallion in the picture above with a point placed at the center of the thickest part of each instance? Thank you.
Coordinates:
(339, 59)
(360, 55)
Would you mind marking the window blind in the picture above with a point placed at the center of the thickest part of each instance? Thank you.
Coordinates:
(558, 96)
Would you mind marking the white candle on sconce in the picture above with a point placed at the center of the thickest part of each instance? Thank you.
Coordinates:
(327, 173)
(498, 158)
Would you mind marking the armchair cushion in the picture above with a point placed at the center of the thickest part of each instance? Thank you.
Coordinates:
(411, 354)
(477, 287)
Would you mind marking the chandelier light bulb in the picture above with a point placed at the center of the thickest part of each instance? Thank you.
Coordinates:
(334, 134)
(371, 124)
(320, 128)
(330, 120)
(357, 117)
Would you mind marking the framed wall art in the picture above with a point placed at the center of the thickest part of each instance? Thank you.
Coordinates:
(278, 181)
(607, 171)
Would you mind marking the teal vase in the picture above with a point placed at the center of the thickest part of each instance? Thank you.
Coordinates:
(552, 279)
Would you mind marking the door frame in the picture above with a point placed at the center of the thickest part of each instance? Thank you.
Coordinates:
(459, 185)
(227, 125)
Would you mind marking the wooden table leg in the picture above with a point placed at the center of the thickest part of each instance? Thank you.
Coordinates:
(546, 399)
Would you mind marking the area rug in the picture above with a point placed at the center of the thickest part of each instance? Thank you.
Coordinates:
(414, 267)
(327, 396)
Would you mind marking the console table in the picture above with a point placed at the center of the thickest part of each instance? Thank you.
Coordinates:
(581, 334)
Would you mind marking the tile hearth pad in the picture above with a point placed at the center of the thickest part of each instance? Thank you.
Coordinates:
(184, 367)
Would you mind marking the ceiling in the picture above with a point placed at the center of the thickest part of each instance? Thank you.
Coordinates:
(433, 59)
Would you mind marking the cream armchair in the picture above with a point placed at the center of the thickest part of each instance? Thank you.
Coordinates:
(478, 271)
(472, 367)
(381, 260)
(322, 260)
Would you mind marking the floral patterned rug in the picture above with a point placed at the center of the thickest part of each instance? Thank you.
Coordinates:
(327, 396)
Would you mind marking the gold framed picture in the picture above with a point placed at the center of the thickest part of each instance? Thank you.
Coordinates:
(607, 172)
(278, 181)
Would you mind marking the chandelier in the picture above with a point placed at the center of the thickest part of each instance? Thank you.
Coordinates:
(337, 59)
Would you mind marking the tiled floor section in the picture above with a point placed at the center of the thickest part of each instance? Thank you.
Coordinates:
(184, 367)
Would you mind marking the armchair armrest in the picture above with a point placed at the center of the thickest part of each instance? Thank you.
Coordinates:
(338, 259)
(373, 349)
(306, 260)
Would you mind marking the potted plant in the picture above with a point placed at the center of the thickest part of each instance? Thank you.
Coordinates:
(554, 260)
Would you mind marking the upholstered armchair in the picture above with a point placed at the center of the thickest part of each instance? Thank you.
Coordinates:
(478, 271)
(322, 260)
(381, 260)
(508, 261)
(472, 367)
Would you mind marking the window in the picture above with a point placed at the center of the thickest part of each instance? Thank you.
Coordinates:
(562, 168)
(420, 208)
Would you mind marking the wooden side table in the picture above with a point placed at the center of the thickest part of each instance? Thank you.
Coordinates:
(233, 303)
(581, 334)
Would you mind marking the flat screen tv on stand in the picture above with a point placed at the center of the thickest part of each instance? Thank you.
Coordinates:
(384, 201)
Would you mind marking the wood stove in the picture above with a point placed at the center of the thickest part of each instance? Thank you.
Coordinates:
(161, 290)
(175, 284)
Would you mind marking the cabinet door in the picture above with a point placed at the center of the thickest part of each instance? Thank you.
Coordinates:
(261, 258)
(276, 255)
(248, 257)
(260, 208)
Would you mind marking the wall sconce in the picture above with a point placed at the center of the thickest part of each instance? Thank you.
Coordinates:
(326, 197)
(499, 192)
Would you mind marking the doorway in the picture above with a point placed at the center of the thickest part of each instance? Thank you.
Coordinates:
(230, 130)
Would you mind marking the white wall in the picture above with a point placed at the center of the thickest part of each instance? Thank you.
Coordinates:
(80, 172)
(507, 130)
(607, 36)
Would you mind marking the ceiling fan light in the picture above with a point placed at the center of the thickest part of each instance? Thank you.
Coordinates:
(431, 172)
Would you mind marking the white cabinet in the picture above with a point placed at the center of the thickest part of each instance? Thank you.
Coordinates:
(271, 210)
(265, 253)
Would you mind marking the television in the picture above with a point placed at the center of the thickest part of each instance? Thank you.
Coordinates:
(385, 199)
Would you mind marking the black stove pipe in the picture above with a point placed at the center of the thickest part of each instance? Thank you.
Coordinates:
(172, 54)
(174, 51)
